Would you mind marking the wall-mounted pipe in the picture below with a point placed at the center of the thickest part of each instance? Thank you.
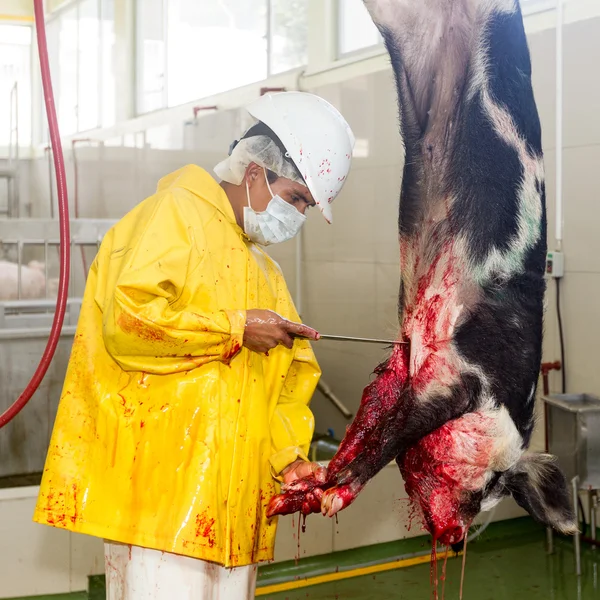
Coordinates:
(328, 393)
(559, 124)
(545, 371)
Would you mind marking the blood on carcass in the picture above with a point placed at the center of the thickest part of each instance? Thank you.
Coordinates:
(442, 466)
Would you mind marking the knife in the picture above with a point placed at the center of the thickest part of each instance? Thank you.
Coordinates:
(346, 338)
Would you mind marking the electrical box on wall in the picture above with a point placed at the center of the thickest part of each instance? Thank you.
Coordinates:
(555, 264)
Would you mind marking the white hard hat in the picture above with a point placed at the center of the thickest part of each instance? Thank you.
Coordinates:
(317, 138)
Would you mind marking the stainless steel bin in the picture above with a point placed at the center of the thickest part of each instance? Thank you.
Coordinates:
(574, 436)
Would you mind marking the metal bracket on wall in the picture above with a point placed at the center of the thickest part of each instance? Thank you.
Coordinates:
(266, 90)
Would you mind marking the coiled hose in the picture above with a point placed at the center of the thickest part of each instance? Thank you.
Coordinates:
(63, 212)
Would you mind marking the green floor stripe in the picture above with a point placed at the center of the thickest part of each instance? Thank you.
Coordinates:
(97, 587)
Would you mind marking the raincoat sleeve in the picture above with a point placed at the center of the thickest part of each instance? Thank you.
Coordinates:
(148, 324)
(293, 424)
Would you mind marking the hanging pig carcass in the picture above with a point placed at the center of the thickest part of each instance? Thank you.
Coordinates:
(455, 406)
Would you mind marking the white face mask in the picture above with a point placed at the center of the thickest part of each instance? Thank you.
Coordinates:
(278, 223)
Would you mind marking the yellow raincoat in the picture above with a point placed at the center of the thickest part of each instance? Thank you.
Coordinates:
(169, 433)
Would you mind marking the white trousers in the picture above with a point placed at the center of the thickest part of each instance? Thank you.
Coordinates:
(134, 573)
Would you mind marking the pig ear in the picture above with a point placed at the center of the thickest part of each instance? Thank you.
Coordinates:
(538, 485)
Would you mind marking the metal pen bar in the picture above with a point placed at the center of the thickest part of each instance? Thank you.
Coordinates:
(20, 269)
(593, 514)
(575, 489)
(345, 338)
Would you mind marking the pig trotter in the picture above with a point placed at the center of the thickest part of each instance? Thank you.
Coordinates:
(303, 496)
(340, 497)
(379, 400)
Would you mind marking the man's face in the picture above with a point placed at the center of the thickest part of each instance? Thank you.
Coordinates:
(292, 192)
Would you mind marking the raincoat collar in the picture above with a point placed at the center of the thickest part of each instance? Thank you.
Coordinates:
(200, 183)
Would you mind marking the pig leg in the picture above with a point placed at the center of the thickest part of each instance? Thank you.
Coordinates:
(379, 398)
(378, 401)
(412, 419)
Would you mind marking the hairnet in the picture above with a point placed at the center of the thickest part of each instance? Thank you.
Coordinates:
(263, 151)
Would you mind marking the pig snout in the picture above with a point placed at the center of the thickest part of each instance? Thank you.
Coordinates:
(452, 536)
(448, 532)
(443, 519)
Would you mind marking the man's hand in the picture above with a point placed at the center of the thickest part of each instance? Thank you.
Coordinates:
(265, 330)
(301, 469)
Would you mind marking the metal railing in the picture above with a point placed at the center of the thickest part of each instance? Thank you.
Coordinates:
(38, 239)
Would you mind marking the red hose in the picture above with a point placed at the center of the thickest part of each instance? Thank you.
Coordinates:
(63, 211)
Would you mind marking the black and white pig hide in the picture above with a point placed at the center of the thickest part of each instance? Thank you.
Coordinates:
(455, 406)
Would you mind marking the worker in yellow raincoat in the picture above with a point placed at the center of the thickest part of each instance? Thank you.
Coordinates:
(186, 397)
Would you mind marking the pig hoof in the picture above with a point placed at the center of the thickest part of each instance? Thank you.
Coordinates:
(336, 499)
(276, 505)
